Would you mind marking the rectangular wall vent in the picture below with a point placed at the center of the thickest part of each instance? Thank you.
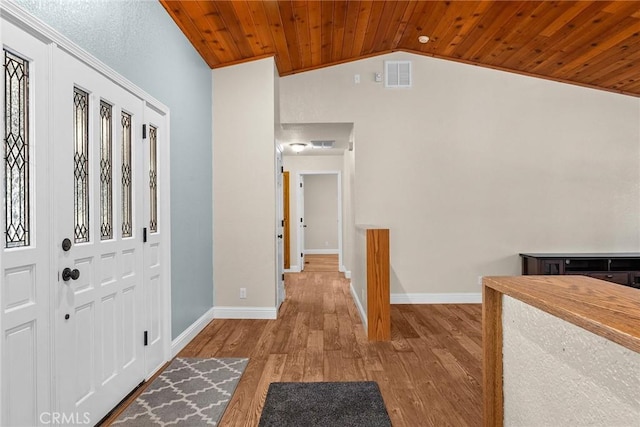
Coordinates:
(323, 144)
(397, 73)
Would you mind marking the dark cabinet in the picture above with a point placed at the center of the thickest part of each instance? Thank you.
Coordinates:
(621, 278)
(553, 266)
(621, 268)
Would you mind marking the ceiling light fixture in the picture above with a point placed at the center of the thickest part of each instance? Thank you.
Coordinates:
(423, 39)
(297, 146)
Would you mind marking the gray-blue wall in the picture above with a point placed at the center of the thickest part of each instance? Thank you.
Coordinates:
(139, 40)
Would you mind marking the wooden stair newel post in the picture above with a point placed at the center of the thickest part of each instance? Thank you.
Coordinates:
(378, 292)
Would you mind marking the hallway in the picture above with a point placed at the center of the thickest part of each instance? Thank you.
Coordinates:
(429, 374)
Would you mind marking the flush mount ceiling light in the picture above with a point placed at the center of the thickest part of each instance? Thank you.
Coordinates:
(423, 39)
(297, 146)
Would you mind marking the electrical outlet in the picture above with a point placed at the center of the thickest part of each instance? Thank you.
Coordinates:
(480, 280)
(243, 293)
(356, 78)
(326, 244)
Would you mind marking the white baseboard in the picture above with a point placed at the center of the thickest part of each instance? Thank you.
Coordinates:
(363, 315)
(190, 333)
(321, 251)
(244, 312)
(458, 298)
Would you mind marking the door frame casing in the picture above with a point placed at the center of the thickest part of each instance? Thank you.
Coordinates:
(300, 208)
(54, 40)
(279, 227)
(286, 215)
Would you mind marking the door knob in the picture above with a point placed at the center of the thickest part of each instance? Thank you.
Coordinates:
(66, 245)
(68, 274)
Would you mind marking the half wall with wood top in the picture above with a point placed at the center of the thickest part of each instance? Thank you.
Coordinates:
(560, 350)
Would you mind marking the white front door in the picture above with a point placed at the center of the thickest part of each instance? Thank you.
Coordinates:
(84, 257)
(26, 276)
(99, 312)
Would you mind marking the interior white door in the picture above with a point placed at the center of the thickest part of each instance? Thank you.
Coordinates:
(280, 293)
(156, 187)
(301, 224)
(99, 313)
(25, 270)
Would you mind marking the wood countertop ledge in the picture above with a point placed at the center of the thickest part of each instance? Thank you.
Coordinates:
(606, 309)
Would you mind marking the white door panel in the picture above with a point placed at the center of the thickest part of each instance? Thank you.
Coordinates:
(104, 305)
(25, 268)
(156, 186)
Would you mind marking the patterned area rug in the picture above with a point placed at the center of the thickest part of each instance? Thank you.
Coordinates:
(190, 392)
(324, 404)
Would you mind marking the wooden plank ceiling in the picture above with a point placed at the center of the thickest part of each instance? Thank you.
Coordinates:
(590, 43)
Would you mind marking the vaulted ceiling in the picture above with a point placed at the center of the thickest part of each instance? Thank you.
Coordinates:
(590, 43)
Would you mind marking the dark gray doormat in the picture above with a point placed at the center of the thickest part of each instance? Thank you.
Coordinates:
(344, 404)
(189, 392)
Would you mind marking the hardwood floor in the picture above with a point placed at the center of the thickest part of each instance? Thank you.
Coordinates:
(430, 373)
(320, 263)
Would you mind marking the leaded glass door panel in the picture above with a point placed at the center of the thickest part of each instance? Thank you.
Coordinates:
(155, 184)
(25, 218)
(99, 315)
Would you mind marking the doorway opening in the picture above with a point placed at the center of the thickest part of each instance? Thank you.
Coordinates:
(319, 217)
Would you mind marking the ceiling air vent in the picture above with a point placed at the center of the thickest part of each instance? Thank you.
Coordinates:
(397, 73)
(323, 144)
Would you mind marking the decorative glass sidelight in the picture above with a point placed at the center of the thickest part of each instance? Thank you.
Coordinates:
(126, 175)
(81, 165)
(153, 179)
(106, 174)
(16, 150)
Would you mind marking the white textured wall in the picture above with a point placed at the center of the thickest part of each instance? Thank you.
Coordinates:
(321, 212)
(295, 164)
(558, 374)
(472, 166)
(244, 198)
